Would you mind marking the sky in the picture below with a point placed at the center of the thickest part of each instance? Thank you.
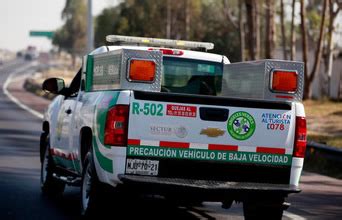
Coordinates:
(18, 17)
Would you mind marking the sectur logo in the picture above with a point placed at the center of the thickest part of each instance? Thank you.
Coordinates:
(241, 125)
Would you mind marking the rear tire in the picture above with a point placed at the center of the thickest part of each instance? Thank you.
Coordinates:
(50, 186)
(263, 208)
(91, 192)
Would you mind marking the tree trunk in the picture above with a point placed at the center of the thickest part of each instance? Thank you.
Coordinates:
(293, 32)
(241, 32)
(339, 87)
(269, 53)
(187, 19)
(228, 14)
(305, 49)
(257, 29)
(318, 55)
(237, 25)
(168, 19)
(73, 60)
(330, 46)
(253, 29)
(283, 35)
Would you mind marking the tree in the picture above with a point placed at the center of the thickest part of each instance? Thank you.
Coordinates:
(168, 19)
(331, 28)
(237, 23)
(309, 76)
(293, 32)
(204, 21)
(282, 23)
(71, 37)
(242, 31)
(270, 29)
(187, 15)
(253, 23)
(104, 24)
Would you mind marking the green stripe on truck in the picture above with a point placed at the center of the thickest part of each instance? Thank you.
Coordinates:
(105, 163)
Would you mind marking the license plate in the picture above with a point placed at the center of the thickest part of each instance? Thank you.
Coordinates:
(142, 167)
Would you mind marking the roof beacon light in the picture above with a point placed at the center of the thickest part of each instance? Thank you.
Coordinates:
(159, 42)
(284, 81)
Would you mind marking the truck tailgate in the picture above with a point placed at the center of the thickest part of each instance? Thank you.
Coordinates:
(177, 135)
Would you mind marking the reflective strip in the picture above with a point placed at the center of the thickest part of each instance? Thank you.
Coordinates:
(288, 150)
(220, 147)
(174, 144)
(149, 143)
(223, 147)
(247, 149)
(269, 150)
(133, 142)
(199, 146)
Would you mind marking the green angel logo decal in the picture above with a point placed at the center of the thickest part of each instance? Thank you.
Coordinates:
(241, 125)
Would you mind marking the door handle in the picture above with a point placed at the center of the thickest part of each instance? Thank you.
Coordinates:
(68, 111)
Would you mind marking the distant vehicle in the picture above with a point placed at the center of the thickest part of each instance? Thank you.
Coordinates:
(28, 56)
(20, 54)
(176, 122)
(31, 53)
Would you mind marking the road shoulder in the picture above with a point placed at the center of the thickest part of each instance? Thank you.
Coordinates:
(17, 90)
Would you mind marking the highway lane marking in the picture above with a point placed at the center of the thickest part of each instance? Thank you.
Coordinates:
(14, 99)
(293, 216)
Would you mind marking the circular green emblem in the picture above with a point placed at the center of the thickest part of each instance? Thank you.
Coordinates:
(241, 125)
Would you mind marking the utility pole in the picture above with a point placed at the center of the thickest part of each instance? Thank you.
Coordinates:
(90, 29)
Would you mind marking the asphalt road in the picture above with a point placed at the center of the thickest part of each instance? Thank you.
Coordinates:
(20, 196)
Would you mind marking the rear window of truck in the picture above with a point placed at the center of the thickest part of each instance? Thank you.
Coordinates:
(191, 76)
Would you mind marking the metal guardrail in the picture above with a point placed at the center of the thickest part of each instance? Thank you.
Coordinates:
(328, 152)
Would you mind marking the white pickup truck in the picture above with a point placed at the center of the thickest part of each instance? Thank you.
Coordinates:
(161, 117)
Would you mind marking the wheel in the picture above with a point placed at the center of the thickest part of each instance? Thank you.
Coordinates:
(263, 208)
(49, 185)
(43, 144)
(91, 192)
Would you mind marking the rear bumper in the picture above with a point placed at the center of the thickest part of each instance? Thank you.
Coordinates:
(204, 189)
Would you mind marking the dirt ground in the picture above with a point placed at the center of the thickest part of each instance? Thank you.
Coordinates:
(324, 121)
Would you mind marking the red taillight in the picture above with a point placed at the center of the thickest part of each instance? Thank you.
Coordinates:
(117, 126)
(300, 138)
(284, 81)
(169, 51)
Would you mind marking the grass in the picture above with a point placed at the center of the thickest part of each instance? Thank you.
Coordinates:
(324, 121)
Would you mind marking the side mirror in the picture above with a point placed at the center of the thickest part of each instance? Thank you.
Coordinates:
(53, 85)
